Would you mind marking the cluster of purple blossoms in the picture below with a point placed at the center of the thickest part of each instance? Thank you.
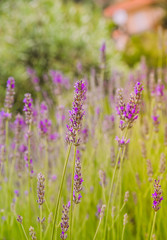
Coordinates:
(59, 80)
(128, 113)
(32, 233)
(20, 219)
(44, 126)
(122, 142)
(65, 220)
(41, 189)
(157, 196)
(28, 108)
(77, 113)
(78, 180)
(10, 92)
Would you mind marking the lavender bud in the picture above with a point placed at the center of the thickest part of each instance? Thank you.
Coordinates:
(78, 180)
(125, 220)
(126, 196)
(10, 92)
(20, 219)
(28, 108)
(40, 189)
(77, 113)
(157, 196)
(102, 211)
(65, 220)
(32, 233)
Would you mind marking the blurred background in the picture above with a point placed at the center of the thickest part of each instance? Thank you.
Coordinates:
(39, 36)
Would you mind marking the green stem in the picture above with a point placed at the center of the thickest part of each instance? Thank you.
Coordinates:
(123, 232)
(25, 235)
(7, 145)
(40, 222)
(112, 182)
(60, 191)
(110, 191)
(29, 177)
(72, 189)
(153, 224)
(97, 229)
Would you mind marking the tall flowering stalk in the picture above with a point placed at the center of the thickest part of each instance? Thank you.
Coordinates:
(157, 198)
(28, 120)
(9, 99)
(75, 118)
(45, 128)
(73, 128)
(40, 194)
(127, 113)
(102, 210)
(20, 220)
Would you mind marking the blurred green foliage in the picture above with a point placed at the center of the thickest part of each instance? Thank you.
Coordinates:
(47, 34)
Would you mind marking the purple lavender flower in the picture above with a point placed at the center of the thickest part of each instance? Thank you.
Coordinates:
(44, 126)
(10, 92)
(157, 196)
(122, 142)
(28, 108)
(16, 192)
(65, 220)
(20, 219)
(128, 113)
(77, 113)
(41, 189)
(78, 180)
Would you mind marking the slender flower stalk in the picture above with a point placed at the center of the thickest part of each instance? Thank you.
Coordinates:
(73, 128)
(157, 198)
(125, 221)
(20, 220)
(60, 192)
(41, 197)
(9, 99)
(32, 233)
(101, 216)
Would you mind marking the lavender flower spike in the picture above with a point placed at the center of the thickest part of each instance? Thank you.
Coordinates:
(157, 196)
(77, 113)
(65, 220)
(28, 108)
(77, 180)
(10, 92)
(41, 189)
